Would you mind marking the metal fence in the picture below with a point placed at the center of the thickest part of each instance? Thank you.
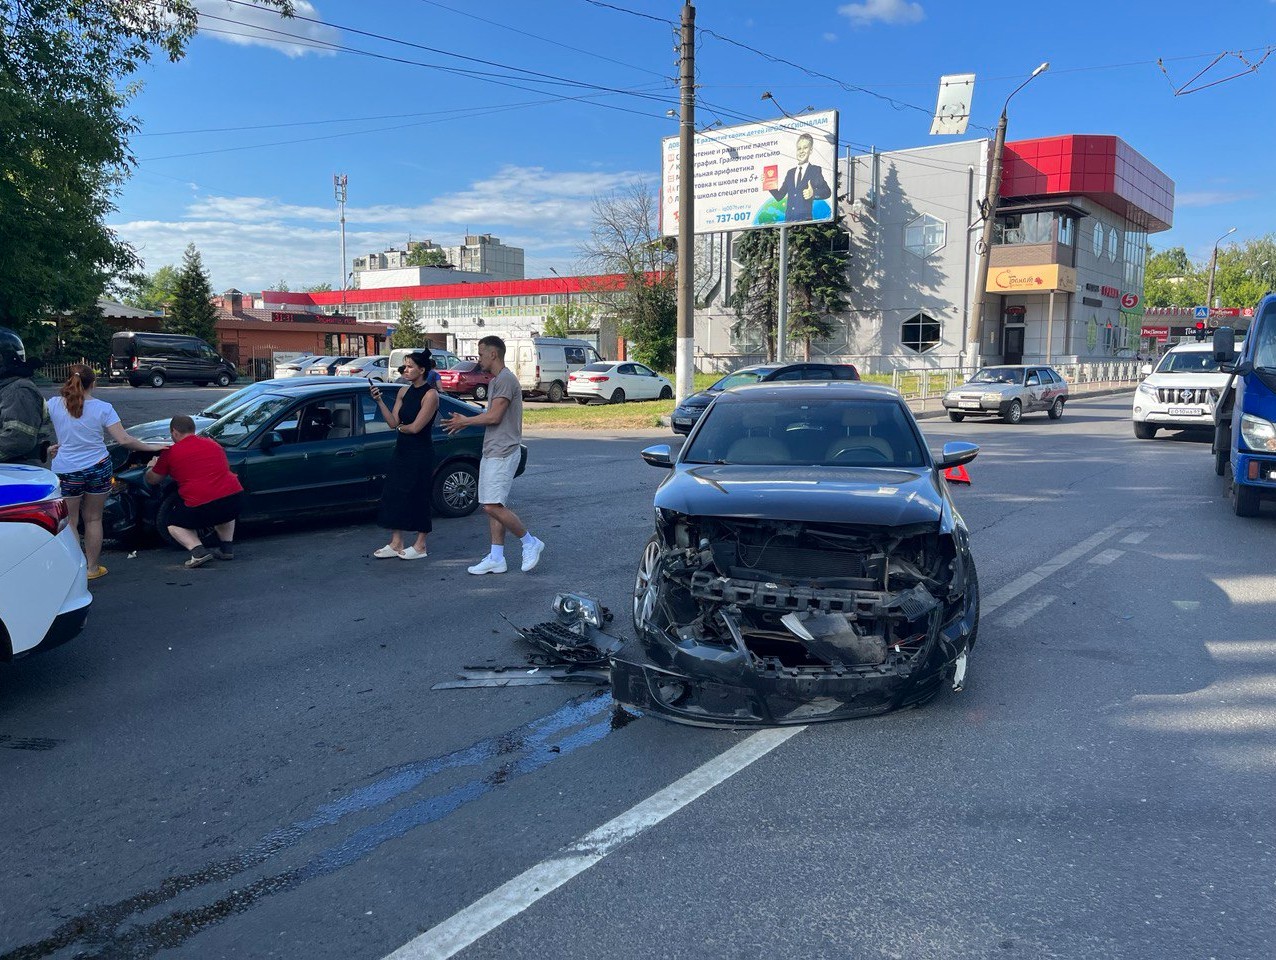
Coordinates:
(927, 384)
(58, 372)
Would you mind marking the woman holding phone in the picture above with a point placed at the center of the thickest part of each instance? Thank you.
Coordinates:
(405, 500)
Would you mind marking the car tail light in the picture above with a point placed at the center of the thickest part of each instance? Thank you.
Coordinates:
(538, 371)
(50, 514)
(135, 363)
(599, 379)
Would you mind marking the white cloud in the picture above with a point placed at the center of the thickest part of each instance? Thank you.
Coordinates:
(250, 242)
(882, 11)
(1212, 198)
(832, 37)
(253, 26)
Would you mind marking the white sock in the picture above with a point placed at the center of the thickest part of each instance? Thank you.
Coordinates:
(498, 551)
(528, 539)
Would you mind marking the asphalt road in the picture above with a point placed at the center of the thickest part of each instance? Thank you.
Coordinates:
(247, 760)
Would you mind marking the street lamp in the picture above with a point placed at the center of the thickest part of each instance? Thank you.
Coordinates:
(989, 212)
(567, 292)
(1209, 292)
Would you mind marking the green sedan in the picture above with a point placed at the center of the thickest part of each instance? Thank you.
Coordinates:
(310, 449)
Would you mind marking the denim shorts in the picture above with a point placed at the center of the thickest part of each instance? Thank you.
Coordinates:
(96, 479)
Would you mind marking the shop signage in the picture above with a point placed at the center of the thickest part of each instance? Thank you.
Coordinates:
(1092, 287)
(1155, 333)
(1041, 278)
(278, 316)
(1129, 300)
(1112, 292)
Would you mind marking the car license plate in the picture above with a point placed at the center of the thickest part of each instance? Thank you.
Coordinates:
(679, 421)
(1186, 411)
(969, 404)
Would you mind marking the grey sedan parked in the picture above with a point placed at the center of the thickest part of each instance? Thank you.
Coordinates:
(1008, 392)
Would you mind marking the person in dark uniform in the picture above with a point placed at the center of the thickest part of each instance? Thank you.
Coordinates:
(405, 500)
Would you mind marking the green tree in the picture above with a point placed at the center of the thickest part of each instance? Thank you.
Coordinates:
(280, 286)
(319, 288)
(65, 69)
(563, 320)
(818, 281)
(153, 291)
(1171, 279)
(423, 256)
(818, 284)
(408, 333)
(192, 311)
(86, 335)
(625, 242)
(756, 298)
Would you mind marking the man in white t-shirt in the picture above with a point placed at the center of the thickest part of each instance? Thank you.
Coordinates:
(502, 424)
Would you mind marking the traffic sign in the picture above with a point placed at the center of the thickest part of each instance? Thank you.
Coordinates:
(1200, 313)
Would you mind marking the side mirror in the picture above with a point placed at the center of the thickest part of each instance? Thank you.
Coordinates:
(1145, 370)
(661, 456)
(1224, 345)
(271, 440)
(956, 453)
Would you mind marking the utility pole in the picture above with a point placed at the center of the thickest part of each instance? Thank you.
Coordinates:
(339, 188)
(782, 306)
(989, 211)
(1209, 292)
(685, 358)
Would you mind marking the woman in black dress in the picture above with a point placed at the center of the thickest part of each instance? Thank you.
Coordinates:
(405, 500)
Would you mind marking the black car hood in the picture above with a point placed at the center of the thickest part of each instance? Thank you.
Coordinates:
(156, 431)
(881, 497)
(701, 399)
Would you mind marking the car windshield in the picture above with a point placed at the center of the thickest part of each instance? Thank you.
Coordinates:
(825, 432)
(233, 400)
(1265, 345)
(1193, 361)
(597, 367)
(465, 366)
(998, 375)
(243, 421)
(741, 378)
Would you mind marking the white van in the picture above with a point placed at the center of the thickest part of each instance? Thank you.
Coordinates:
(542, 364)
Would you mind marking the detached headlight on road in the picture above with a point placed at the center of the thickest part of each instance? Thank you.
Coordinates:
(1259, 434)
(991, 397)
(1148, 389)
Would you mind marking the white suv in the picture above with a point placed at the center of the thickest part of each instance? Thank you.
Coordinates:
(1180, 393)
(44, 596)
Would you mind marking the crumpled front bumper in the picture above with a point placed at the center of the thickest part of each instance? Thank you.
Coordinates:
(704, 685)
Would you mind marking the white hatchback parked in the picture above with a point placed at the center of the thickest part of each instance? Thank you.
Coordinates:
(44, 593)
(615, 381)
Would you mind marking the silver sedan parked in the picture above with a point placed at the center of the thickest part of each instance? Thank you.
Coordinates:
(1008, 392)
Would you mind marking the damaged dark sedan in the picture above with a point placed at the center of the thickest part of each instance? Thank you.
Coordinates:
(808, 564)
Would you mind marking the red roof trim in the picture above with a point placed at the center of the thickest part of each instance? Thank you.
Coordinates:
(451, 291)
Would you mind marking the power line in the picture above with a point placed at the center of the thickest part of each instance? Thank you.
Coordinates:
(632, 13)
(550, 40)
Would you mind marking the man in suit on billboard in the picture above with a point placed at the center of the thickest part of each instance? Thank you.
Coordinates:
(802, 184)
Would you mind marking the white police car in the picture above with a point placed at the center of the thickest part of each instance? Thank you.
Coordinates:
(44, 596)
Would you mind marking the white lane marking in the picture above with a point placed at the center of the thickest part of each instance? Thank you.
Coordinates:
(1107, 556)
(506, 902)
(1026, 611)
(1030, 579)
(1137, 537)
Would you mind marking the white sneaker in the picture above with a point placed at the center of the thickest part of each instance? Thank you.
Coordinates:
(532, 555)
(411, 553)
(487, 565)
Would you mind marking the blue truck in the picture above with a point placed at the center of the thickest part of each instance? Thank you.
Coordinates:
(1245, 414)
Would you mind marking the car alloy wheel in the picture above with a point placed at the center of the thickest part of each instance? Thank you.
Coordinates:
(666, 393)
(644, 591)
(157, 379)
(480, 392)
(1015, 412)
(556, 392)
(456, 490)
(1056, 409)
(618, 396)
(223, 379)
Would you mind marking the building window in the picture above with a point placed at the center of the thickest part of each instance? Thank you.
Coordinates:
(920, 332)
(1098, 239)
(1067, 230)
(1112, 244)
(925, 235)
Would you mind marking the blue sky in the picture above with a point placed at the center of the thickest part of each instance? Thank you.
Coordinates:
(240, 140)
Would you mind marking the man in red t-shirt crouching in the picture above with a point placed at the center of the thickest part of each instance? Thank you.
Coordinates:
(210, 494)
